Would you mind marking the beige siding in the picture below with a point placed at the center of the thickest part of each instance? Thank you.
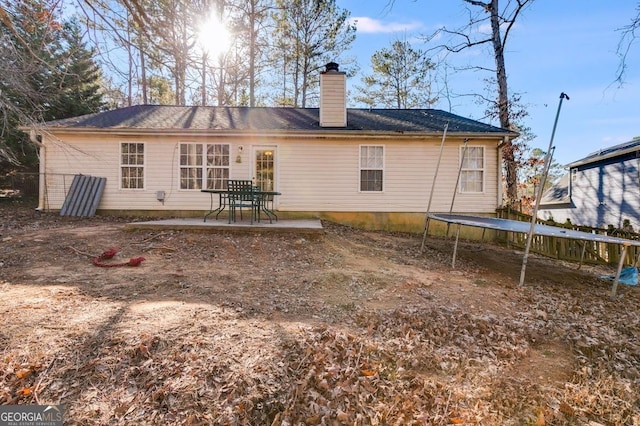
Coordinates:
(323, 176)
(313, 175)
(333, 110)
(101, 157)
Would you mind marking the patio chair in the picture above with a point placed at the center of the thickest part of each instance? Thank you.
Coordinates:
(241, 195)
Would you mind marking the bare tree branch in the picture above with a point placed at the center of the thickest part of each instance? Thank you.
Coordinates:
(486, 6)
(628, 37)
(501, 22)
(465, 44)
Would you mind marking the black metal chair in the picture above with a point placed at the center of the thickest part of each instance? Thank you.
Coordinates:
(241, 194)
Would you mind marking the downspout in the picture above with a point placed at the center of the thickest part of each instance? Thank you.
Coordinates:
(33, 137)
(500, 192)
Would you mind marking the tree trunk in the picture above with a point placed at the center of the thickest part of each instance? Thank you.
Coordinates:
(130, 78)
(221, 88)
(511, 169)
(143, 77)
(204, 79)
(252, 55)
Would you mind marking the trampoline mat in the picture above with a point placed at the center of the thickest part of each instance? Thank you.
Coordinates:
(525, 227)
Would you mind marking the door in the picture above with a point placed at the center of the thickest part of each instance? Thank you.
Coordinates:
(264, 167)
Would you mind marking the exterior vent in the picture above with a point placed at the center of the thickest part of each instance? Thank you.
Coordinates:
(333, 97)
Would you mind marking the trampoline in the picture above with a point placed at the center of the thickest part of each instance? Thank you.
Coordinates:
(530, 228)
(539, 229)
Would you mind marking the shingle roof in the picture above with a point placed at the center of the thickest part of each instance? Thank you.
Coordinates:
(612, 151)
(161, 117)
(558, 193)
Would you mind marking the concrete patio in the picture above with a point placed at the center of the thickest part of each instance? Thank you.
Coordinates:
(306, 227)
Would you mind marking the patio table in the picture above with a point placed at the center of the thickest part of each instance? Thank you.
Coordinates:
(263, 203)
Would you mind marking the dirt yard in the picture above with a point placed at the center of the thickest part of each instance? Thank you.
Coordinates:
(355, 328)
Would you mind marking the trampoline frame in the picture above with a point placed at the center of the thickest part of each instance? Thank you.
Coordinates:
(531, 228)
(509, 225)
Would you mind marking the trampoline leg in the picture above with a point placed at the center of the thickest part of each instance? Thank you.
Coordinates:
(623, 255)
(455, 248)
(424, 234)
(584, 250)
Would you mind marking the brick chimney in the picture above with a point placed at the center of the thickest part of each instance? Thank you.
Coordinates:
(333, 97)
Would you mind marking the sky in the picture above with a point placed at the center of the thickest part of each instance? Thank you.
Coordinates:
(556, 46)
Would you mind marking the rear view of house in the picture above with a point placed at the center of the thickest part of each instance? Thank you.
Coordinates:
(600, 190)
(371, 168)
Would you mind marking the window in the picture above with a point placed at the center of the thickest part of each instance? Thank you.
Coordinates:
(191, 166)
(371, 167)
(131, 165)
(472, 170)
(203, 165)
(217, 166)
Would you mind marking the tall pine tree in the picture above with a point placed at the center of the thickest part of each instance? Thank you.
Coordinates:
(400, 78)
(46, 73)
(79, 77)
(309, 34)
(30, 34)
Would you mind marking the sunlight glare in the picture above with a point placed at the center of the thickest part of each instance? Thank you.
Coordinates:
(213, 36)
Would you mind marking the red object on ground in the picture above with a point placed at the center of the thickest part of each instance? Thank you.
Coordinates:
(98, 260)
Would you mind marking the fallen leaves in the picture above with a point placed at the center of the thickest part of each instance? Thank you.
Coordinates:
(358, 329)
(24, 372)
(21, 378)
(27, 391)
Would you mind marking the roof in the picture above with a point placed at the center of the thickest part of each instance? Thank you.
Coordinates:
(613, 151)
(558, 194)
(209, 118)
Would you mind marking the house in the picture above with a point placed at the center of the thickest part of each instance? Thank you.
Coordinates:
(600, 190)
(366, 167)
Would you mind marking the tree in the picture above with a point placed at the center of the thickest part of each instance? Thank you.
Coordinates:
(627, 38)
(160, 38)
(120, 48)
(164, 39)
(160, 92)
(152, 38)
(531, 176)
(79, 77)
(501, 22)
(47, 74)
(309, 34)
(251, 22)
(31, 33)
(176, 37)
(400, 78)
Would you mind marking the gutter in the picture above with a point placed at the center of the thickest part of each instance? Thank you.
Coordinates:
(42, 182)
(499, 175)
(284, 133)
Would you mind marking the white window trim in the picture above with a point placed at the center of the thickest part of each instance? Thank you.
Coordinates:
(143, 165)
(206, 168)
(383, 168)
(181, 167)
(483, 169)
(203, 166)
(573, 179)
